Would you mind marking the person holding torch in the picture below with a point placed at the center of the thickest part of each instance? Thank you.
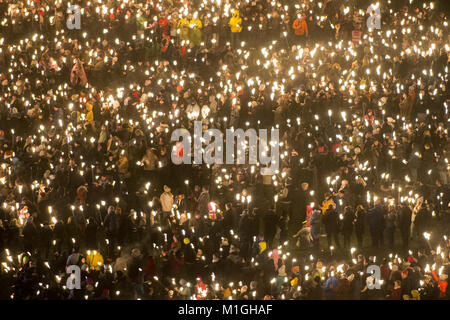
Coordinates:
(300, 27)
(236, 27)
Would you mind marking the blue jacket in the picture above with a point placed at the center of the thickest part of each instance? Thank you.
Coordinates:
(330, 287)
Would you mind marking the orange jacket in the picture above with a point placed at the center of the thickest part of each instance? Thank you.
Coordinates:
(442, 285)
(300, 27)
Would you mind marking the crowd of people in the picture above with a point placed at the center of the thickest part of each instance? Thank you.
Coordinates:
(87, 177)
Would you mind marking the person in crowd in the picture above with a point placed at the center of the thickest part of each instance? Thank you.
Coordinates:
(300, 27)
(331, 222)
(235, 27)
(88, 116)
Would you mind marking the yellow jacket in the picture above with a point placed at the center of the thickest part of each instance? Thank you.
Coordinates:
(94, 260)
(236, 22)
(183, 26)
(326, 204)
(294, 282)
(90, 114)
(182, 23)
(226, 293)
(195, 23)
(262, 246)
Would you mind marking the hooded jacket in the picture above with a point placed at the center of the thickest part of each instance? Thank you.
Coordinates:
(300, 27)
(236, 22)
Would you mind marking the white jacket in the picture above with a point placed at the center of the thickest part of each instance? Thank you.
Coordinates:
(166, 201)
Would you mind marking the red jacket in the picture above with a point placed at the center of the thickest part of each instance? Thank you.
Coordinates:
(200, 288)
(164, 24)
(308, 215)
